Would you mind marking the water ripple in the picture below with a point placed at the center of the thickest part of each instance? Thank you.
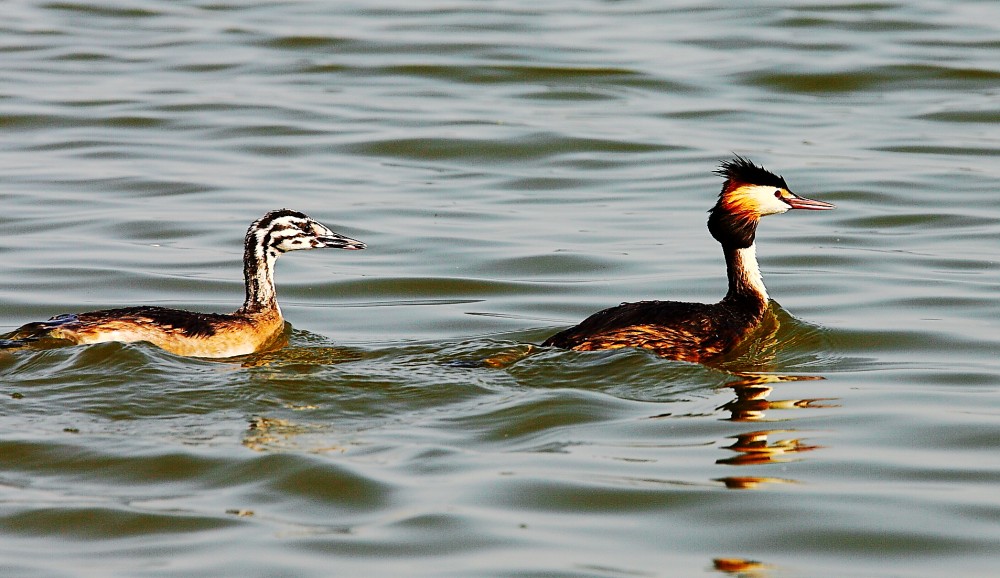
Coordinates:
(514, 168)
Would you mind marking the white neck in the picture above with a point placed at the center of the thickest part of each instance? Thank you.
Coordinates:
(745, 272)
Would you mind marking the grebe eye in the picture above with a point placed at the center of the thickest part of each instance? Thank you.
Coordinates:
(778, 195)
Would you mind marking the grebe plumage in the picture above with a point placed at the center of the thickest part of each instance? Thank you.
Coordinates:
(698, 332)
(256, 325)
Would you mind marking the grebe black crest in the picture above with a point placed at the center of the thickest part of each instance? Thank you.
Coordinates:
(255, 326)
(699, 332)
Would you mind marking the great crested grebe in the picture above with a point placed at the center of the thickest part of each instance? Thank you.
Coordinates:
(256, 325)
(700, 331)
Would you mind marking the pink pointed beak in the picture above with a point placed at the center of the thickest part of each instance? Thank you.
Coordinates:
(797, 202)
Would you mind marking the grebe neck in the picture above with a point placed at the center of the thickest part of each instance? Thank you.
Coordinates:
(258, 273)
(744, 274)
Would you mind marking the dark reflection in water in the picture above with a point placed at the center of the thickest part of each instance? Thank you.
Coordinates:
(752, 403)
(766, 446)
(272, 433)
(305, 356)
(741, 567)
(779, 345)
(755, 448)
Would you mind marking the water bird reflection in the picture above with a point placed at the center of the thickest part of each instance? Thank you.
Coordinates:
(759, 447)
(740, 567)
(752, 391)
(755, 448)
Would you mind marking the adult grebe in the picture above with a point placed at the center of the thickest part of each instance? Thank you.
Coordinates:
(700, 331)
(256, 325)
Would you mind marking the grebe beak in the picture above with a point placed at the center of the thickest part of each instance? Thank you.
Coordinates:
(797, 202)
(336, 241)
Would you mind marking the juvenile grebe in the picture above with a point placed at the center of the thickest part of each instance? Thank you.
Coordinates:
(256, 325)
(700, 331)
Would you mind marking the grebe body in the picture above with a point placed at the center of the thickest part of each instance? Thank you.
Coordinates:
(255, 326)
(180, 332)
(699, 332)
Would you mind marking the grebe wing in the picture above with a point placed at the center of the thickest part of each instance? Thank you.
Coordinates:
(188, 323)
(658, 317)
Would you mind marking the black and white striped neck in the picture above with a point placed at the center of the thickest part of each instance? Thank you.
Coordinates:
(276, 233)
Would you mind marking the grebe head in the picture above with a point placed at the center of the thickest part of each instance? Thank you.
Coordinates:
(286, 230)
(749, 193)
(273, 234)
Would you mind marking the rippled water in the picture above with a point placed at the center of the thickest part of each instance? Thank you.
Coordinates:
(513, 166)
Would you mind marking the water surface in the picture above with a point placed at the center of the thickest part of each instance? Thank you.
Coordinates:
(513, 167)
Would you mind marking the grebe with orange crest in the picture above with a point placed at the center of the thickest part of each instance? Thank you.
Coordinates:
(700, 332)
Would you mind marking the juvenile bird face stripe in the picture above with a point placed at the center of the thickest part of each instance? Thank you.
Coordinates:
(291, 232)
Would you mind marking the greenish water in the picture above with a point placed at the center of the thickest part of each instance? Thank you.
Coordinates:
(513, 167)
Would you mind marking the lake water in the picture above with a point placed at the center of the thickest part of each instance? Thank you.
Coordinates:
(513, 166)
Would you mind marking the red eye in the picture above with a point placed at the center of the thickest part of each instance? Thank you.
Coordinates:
(777, 194)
